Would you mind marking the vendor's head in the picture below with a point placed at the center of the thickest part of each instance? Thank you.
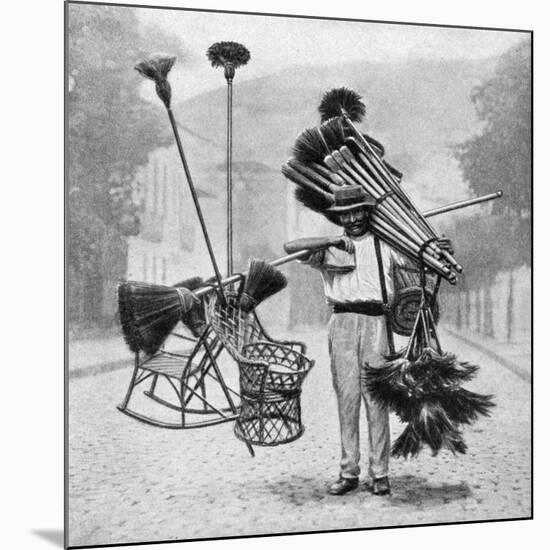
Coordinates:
(352, 205)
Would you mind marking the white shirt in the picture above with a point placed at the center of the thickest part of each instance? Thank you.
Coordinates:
(361, 284)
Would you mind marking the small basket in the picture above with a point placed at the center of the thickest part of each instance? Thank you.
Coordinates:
(407, 298)
(272, 419)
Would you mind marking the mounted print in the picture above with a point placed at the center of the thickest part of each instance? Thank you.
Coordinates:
(298, 274)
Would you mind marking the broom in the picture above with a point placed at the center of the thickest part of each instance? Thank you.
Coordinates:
(261, 282)
(230, 56)
(149, 312)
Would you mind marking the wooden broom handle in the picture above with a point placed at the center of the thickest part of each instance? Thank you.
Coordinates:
(305, 253)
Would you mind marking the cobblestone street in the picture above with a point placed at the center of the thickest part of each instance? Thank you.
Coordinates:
(130, 482)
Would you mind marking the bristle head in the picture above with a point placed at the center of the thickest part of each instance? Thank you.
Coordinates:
(156, 66)
(342, 100)
(262, 281)
(334, 133)
(310, 146)
(222, 53)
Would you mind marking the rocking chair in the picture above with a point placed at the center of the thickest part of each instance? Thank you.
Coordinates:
(193, 375)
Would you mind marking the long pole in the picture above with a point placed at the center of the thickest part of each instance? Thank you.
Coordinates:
(304, 253)
(461, 204)
(229, 176)
(195, 199)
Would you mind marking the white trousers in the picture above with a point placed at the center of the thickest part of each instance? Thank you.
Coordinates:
(356, 340)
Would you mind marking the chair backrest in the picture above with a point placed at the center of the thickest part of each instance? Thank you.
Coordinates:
(234, 328)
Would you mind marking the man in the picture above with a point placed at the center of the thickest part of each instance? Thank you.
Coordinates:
(358, 332)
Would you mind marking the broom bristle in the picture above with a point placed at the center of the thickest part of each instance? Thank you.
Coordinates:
(148, 313)
(310, 147)
(262, 281)
(338, 99)
(221, 53)
(334, 133)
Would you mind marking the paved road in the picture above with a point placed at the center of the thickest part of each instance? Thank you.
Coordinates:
(129, 482)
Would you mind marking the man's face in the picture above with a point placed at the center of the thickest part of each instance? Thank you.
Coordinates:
(355, 222)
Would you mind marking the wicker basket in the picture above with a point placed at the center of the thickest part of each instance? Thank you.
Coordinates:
(271, 374)
(407, 298)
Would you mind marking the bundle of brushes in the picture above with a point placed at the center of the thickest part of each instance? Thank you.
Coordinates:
(261, 282)
(422, 385)
(336, 154)
(149, 313)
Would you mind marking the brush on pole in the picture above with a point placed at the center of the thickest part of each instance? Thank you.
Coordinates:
(346, 103)
(261, 282)
(156, 68)
(230, 56)
(149, 313)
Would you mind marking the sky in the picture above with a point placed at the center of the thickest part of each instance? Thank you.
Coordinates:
(279, 42)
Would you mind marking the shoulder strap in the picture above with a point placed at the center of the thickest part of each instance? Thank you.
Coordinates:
(384, 291)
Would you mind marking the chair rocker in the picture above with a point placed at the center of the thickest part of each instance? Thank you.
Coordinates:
(192, 377)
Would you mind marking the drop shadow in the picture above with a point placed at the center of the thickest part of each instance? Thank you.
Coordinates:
(55, 536)
(409, 490)
(406, 490)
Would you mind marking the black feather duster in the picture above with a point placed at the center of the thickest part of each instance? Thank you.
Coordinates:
(229, 55)
(156, 67)
(339, 100)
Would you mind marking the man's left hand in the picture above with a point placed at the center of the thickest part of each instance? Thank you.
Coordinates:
(445, 244)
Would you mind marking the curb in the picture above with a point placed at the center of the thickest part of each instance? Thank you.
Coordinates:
(101, 368)
(519, 372)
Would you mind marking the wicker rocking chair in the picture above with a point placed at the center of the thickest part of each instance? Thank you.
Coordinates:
(190, 376)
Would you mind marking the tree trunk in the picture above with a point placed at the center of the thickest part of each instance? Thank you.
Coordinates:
(488, 327)
(478, 310)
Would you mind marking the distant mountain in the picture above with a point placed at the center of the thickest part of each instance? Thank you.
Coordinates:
(416, 108)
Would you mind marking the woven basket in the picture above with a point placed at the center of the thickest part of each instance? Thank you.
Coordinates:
(271, 374)
(407, 298)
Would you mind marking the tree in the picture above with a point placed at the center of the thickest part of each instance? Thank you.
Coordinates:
(111, 131)
(500, 156)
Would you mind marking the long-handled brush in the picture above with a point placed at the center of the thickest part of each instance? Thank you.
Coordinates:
(261, 282)
(230, 56)
(148, 313)
(156, 68)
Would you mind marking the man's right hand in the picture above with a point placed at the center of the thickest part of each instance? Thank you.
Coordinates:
(343, 243)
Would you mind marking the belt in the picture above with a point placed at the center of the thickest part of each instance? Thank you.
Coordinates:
(374, 309)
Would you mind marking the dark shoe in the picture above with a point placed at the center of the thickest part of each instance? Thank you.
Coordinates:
(343, 485)
(381, 486)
